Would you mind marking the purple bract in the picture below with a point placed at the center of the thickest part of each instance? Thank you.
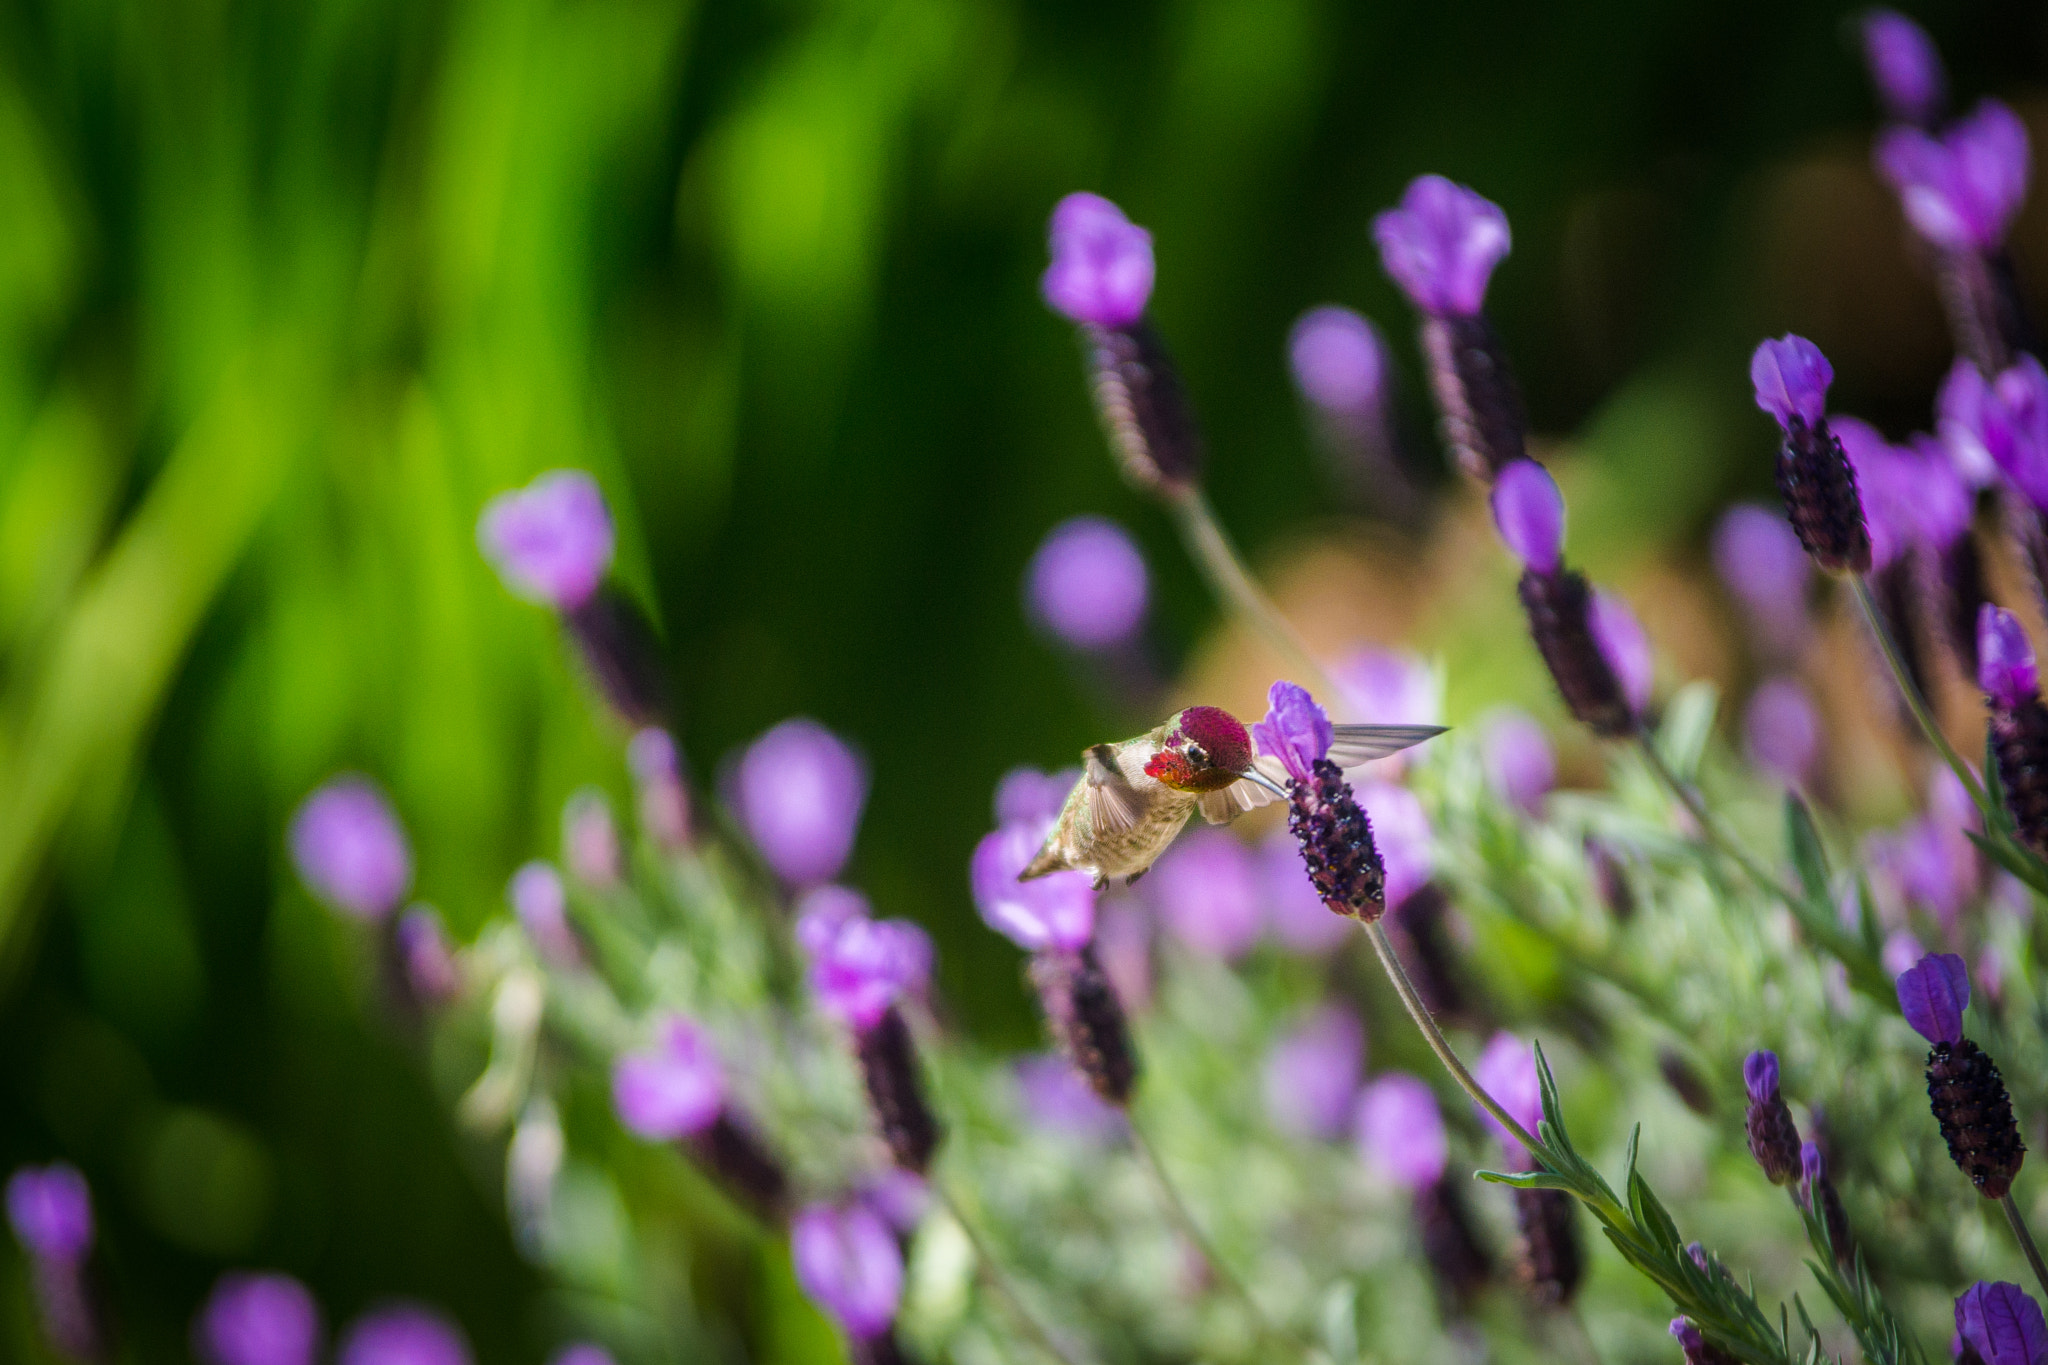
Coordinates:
(1760, 1075)
(350, 850)
(1507, 1071)
(1340, 361)
(1757, 554)
(1057, 1099)
(2005, 657)
(673, 1089)
(1296, 730)
(848, 1261)
(403, 1334)
(1400, 1130)
(542, 904)
(1087, 584)
(258, 1320)
(1520, 764)
(1101, 271)
(1933, 993)
(1440, 245)
(864, 966)
(1312, 1074)
(2002, 1323)
(551, 541)
(1625, 646)
(799, 790)
(1960, 190)
(50, 1210)
(1781, 730)
(1529, 513)
(1056, 911)
(1791, 378)
(1904, 66)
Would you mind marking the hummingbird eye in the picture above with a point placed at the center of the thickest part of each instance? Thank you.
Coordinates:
(1198, 756)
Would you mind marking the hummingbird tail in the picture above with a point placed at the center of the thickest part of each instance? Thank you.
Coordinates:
(1049, 860)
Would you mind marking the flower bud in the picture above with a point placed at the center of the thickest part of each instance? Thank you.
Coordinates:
(799, 790)
(888, 1064)
(1825, 1204)
(1143, 408)
(1441, 244)
(1101, 270)
(1962, 189)
(1904, 67)
(1088, 1020)
(1087, 585)
(848, 1261)
(350, 850)
(1550, 1263)
(258, 1320)
(1560, 611)
(1791, 379)
(1773, 1137)
(403, 1332)
(551, 541)
(1529, 512)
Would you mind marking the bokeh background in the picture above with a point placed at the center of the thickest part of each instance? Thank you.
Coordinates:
(287, 290)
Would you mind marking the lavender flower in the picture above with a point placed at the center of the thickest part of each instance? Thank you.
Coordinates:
(1028, 796)
(1595, 651)
(1389, 687)
(1698, 1350)
(865, 966)
(822, 912)
(2005, 659)
(1206, 892)
(425, 959)
(661, 803)
(1529, 512)
(1054, 912)
(1964, 1088)
(1998, 426)
(1817, 1192)
(672, 1090)
(1905, 68)
(1312, 1074)
(848, 1262)
(1507, 1071)
(403, 1334)
(1101, 271)
(1087, 584)
(1058, 1099)
(1401, 1131)
(1781, 730)
(1962, 189)
(590, 841)
(1340, 363)
(2018, 722)
(1441, 245)
(1402, 834)
(542, 904)
(1773, 1137)
(2002, 1324)
(1515, 752)
(1625, 646)
(350, 850)
(1761, 561)
(1324, 815)
(50, 1210)
(1295, 911)
(799, 790)
(550, 541)
(258, 1320)
(1887, 485)
(1791, 379)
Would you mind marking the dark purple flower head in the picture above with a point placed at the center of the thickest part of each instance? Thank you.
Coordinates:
(1312, 1074)
(1401, 1131)
(1340, 361)
(403, 1334)
(1101, 271)
(1625, 646)
(1507, 1071)
(868, 965)
(1087, 584)
(1027, 796)
(542, 904)
(1055, 912)
(1933, 993)
(1791, 377)
(1529, 512)
(1058, 1099)
(1757, 554)
(424, 953)
(1441, 245)
(1904, 66)
(1295, 731)
(1781, 730)
(2005, 657)
(551, 541)
(1401, 830)
(848, 1261)
(2002, 1323)
(799, 790)
(673, 1089)
(258, 1320)
(1760, 1075)
(1205, 891)
(1520, 764)
(50, 1210)
(350, 850)
(1960, 190)
(1297, 915)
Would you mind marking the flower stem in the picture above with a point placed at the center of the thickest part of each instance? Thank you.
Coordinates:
(998, 1279)
(1916, 703)
(1710, 828)
(1221, 564)
(2026, 1240)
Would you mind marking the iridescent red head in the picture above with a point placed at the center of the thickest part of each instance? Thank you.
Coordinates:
(1205, 750)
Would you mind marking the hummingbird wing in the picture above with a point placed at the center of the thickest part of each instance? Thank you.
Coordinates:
(1113, 808)
(1356, 744)
(1220, 808)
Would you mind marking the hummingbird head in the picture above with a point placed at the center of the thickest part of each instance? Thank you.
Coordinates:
(1205, 750)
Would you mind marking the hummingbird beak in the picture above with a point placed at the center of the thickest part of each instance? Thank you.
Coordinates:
(1257, 778)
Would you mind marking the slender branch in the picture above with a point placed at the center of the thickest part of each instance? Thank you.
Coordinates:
(1221, 564)
(1916, 703)
(2026, 1240)
(1710, 828)
(998, 1279)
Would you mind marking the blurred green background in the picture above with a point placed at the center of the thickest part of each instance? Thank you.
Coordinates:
(287, 289)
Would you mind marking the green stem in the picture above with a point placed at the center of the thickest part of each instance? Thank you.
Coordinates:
(998, 1279)
(1221, 564)
(1916, 703)
(1710, 828)
(2026, 1240)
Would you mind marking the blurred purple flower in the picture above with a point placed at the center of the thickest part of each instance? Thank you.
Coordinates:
(1904, 66)
(1101, 271)
(1791, 379)
(2002, 1323)
(1296, 731)
(350, 850)
(1760, 1075)
(1401, 1131)
(403, 1334)
(2005, 657)
(1759, 557)
(1087, 584)
(426, 956)
(590, 841)
(672, 1090)
(1947, 502)
(823, 911)
(50, 1209)
(550, 541)
(1388, 687)
(848, 1261)
(1900, 951)
(1781, 730)
(1625, 647)
(898, 1197)
(660, 801)
(1312, 1074)
(1441, 244)
(1528, 511)
(866, 965)
(258, 1320)
(1123, 945)
(1401, 830)
(1340, 362)
(1025, 795)
(1206, 892)
(1520, 765)
(542, 904)
(1933, 994)
(1960, 190)
(1056, 1098)
(1507, 1071)
(799, 790)
(1297, 915)
(583, 1353)
(1887, 483)
(1056, 911)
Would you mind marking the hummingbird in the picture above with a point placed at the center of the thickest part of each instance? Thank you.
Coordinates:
(1133, 797)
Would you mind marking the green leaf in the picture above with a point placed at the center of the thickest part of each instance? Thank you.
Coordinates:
(1530, 1180)
(1809, 859)
(1688, 723)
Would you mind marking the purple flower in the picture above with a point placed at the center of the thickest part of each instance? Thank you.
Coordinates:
(1960, 190)
(1026, 795)
(425, 955)
(799, 792)
(1529, 513)
(1887, 483)
(1781, 730)
(1933, 995)
(898, 1197)
(672, 1090)
(867, 965)
(848, 1261)
(1206, 892)
(1298, 917)
(1296, 731)
(2002, 1323)
(1759, 557)
(2005, 657)
(542, 905)
(1056, 1098)
(590, 841)
(1791, 378)
(583, 1353)
(1101, 271)
(1441, 245)
(258, 1320)
(1507, 1071)
(403, 1334)
(1312, 1074)
(1625, 647)
(1900, 951)
(1760, 1075)
(2015, 427)
(1515, 751)
(1087, 584)
(823, 911)
(50, 1210)
(1340, 361)
(1904, 66)
(1961, 411)
(551, 541)
(1401, 1131)
(661, 803)
(349, 848)
(1056, 911)
(1388, 687)
(1401, 829)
